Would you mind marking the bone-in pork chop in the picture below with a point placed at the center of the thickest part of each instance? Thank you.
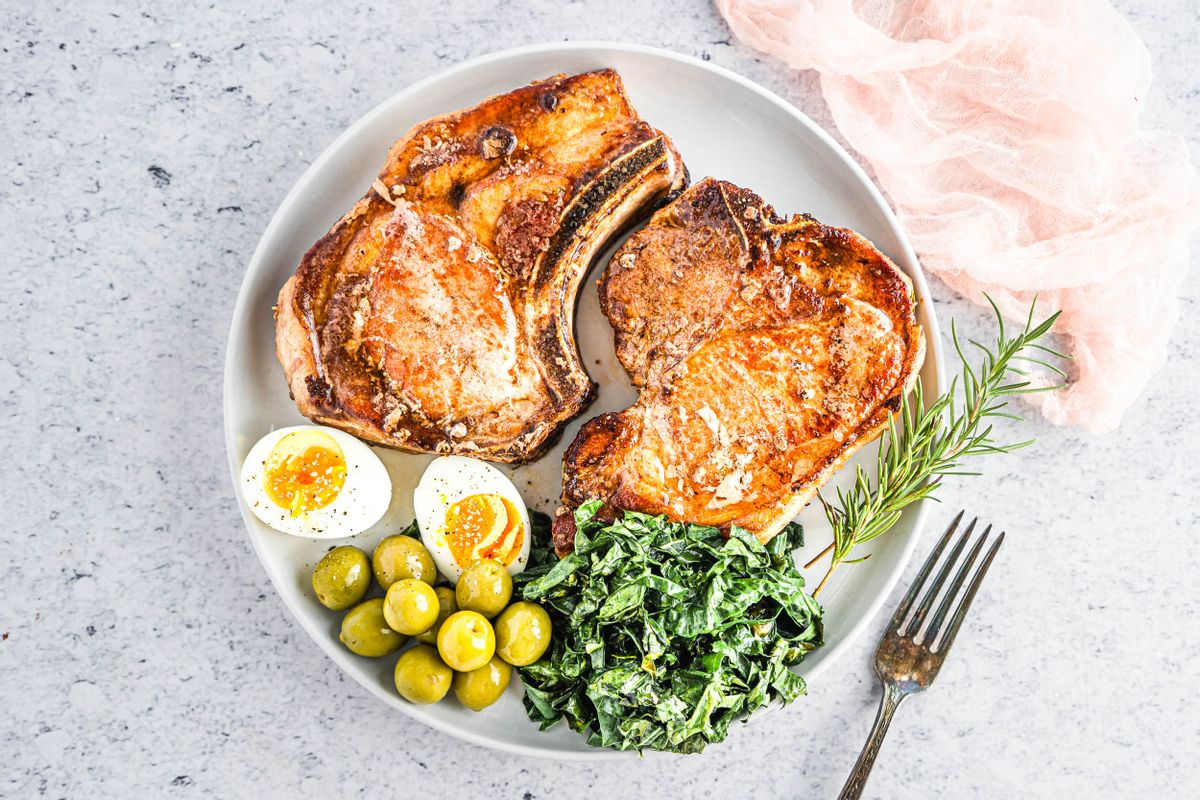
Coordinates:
(767, 351)
(436, 316)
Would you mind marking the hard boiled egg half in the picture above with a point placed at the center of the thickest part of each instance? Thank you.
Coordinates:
(317, 482)
(468, 511)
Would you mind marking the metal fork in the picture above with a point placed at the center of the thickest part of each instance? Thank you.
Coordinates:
(908, 659)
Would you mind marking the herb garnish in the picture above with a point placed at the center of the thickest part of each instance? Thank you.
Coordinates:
(666, 632)
(928, 445)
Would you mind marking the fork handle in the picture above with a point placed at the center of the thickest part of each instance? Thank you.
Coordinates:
(866, 759)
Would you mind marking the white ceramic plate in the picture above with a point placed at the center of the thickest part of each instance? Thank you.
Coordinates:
(724, 126)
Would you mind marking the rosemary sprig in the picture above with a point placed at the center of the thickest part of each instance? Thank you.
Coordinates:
(925, 446)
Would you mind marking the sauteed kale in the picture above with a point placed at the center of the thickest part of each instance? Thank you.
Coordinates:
(665, 632)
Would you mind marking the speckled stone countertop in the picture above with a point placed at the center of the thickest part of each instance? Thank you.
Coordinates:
(144, 652)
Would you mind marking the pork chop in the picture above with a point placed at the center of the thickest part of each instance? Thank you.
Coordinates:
(767, 351)
(436, 316)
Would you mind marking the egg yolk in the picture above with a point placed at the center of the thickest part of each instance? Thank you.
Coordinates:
(484, 526)
(305, 471)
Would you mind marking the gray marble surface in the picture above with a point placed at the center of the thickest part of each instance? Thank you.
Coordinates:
(144, 653)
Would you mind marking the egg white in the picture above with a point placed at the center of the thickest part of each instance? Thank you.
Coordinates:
(447, 480)
(364, 498)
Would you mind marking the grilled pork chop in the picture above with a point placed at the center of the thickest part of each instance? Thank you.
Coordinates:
(436, 316)
(766, 350)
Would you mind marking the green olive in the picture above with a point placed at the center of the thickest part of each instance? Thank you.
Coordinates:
(366, 632)
(522, 633)
(446, 607)
(481, 687)
(399, 557)
(421, 677)
(342, 577)
(466, 641)
(485, 586)
(411, 606)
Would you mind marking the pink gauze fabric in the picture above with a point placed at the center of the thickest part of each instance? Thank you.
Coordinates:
(1005, 133)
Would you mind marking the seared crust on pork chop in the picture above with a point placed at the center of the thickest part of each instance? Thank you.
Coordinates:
(767, 351)
(436, 316)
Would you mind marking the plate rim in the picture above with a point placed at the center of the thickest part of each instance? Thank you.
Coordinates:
(933, 351)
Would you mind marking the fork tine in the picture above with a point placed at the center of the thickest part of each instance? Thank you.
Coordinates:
(960, 577)
(926, 568)
(943, 573)
(943, 646)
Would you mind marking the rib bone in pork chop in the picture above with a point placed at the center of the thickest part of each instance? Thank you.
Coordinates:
(767, 351)
(436, 316)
